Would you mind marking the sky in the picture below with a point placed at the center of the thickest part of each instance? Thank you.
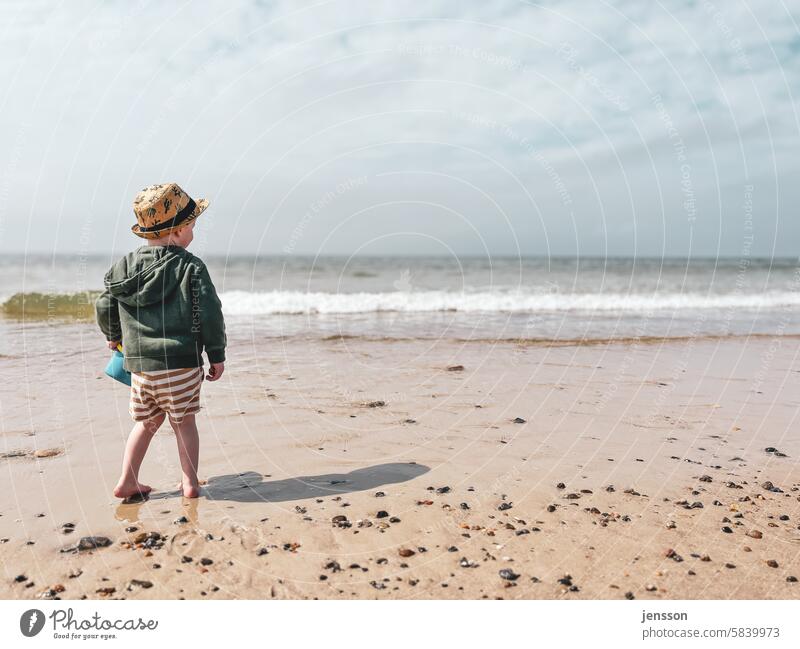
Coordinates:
(366, 127)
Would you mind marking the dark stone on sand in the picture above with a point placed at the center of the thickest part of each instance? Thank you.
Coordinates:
(561, 485)
(452, 548)
(770, 449)
(791, 579)
(551, 508)
(727, 530)
(730, 566)
(149, 540)
(465, 506)
(518, 420)
(382, 514)
(180, 520)
(783, 517)
(504, 506)
(20, 578)
(508, 574)
(771, 487)
(630, 595)
(379, 494)
(205, 561)
(566, 580)
(130, 528)
(185, 559)
(772, 563)
(706, 478)
(455, 368)
(89, 543)
(409, 421)
(261, 552)
(139, 583)
(376, 404)
(406, 552)
(443, 490)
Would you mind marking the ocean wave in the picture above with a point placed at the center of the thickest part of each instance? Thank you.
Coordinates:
(242, 303)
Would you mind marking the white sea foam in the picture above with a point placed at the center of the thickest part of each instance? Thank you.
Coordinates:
(298, 302)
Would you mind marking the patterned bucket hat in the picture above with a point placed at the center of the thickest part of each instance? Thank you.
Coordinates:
(160, 209)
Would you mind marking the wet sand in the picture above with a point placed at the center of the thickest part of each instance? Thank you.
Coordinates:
(351, 468)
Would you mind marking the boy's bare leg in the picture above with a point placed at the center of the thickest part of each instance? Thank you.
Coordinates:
(189, 454)
(135, 449)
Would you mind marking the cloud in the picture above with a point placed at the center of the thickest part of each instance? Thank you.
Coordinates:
(571, 127)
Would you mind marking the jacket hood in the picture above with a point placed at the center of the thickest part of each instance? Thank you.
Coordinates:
(148, 275)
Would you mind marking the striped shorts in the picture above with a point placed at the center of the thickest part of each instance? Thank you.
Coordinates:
(174, 392)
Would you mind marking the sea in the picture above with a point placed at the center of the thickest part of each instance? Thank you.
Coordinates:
(461, 298)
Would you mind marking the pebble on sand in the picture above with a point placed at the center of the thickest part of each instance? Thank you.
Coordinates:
(48, 452)
(88, 543)
(508, 574)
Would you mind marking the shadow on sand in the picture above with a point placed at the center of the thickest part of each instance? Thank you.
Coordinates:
(250, 487)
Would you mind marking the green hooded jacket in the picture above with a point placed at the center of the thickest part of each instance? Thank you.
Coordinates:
(160, 301)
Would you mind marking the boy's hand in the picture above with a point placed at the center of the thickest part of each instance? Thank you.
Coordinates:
(112, 344)
(215, 371)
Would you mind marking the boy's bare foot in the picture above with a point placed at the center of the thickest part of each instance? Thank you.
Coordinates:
(189, 490)
(129, 489)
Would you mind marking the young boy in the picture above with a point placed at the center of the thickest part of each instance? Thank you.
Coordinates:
(161, 305)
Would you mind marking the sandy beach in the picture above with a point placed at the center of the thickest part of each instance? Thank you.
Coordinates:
(367, 468)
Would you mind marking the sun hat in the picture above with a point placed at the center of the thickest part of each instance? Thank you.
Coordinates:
(160, 209)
